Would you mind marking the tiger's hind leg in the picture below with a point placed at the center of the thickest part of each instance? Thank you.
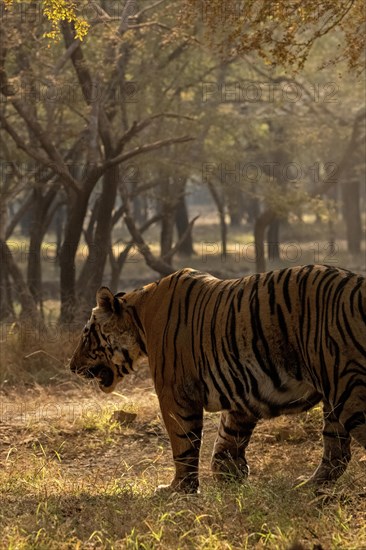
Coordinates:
(235, 430)
(353, 415)
(337, 451)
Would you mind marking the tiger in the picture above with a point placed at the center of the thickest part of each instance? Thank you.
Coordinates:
(252, 348)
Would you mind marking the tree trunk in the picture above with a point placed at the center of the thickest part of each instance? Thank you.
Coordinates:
(97, 257)
(167, 219)
(89, 236)
(273, 239)
(29, 311)
(6, 302)
(252, 208)
(34, 271)
(352, 215)
(58, 227)
(117, 266)
(182, 223)
(139, 213)
(260, 226)
(235, 207)
(7, 311)
(40, 220)
(221, 211)
(73, 230)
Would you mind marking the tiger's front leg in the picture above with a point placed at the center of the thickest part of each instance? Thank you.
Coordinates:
(235, 430)
(184, 426)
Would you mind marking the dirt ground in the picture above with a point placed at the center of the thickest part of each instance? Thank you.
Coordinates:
(76, 472)
(74, 417)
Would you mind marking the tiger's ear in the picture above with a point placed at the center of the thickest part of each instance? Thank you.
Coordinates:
(106, 301)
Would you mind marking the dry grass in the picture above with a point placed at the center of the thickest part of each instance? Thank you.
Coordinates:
(71, 477)
(32, 354)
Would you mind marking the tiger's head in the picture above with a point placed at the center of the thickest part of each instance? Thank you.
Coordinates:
(109, 346)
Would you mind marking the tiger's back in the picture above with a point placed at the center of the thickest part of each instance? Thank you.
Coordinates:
(274, 343)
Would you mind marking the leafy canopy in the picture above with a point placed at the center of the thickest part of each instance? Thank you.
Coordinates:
(57, 11)
(280, 31)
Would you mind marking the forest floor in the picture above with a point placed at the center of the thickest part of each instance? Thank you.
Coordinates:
(77, 474)
(74, 476)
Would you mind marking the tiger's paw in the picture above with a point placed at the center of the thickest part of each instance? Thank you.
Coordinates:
(183, 486)
(319, 486)
(164, 490)
(225, 467)
(324, 477)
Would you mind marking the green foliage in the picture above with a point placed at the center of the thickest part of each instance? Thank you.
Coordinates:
(57, 11)
(63, 10)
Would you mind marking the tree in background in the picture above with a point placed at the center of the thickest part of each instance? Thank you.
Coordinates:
(99, 113)
(54, 137)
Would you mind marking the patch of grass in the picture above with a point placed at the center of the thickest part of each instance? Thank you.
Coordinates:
(81, 481)
(32, 354)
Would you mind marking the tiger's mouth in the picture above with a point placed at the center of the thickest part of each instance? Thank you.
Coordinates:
(104, 375)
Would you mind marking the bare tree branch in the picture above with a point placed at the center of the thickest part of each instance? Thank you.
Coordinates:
(155, 263)
(21, 143)
(66, 56)
(150, 24)
(179, 243)
(79, 63)
(123, 27)
(93, 126)
(144, 149)
(86, 84)
(141, 125)
(47, 145)
(147, 8)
